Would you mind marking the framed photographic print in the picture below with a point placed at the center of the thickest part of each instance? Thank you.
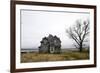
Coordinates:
(51, 36)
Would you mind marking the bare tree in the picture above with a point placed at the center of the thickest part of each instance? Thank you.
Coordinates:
(79, 33)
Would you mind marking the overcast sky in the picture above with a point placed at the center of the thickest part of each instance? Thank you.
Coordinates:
(37, 24)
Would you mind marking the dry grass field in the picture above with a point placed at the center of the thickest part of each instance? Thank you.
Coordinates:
(37, 57)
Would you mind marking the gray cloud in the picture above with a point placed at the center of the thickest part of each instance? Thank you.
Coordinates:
(37, 24)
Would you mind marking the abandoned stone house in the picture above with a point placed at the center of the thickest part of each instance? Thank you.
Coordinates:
(50, 44)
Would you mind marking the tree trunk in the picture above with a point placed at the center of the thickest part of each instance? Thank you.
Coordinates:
(80, 47)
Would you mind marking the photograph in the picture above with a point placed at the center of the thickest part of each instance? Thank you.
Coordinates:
(52, 36)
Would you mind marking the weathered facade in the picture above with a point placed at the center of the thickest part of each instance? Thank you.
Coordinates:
(50, 44)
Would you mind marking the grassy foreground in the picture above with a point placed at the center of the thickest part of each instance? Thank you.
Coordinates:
(37, 57)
